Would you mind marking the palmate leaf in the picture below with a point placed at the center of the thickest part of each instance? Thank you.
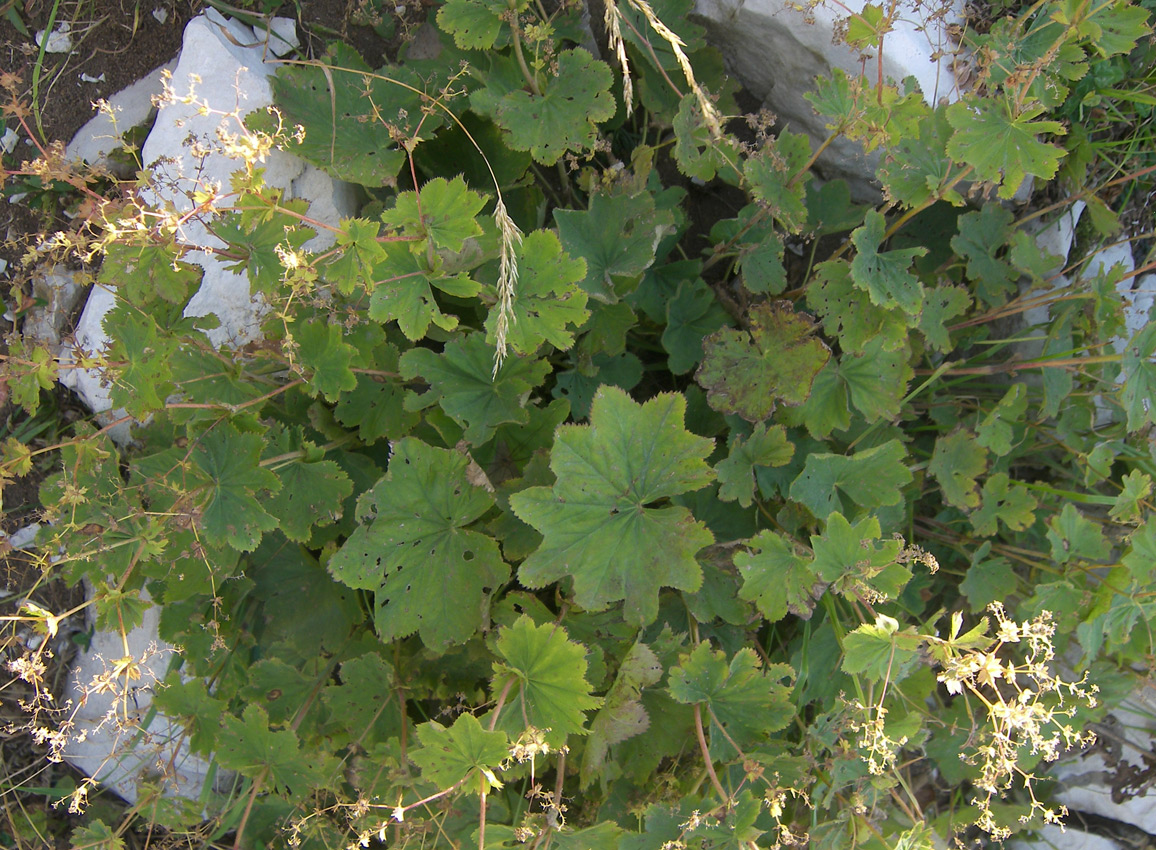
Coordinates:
(322, 349)
(143, 273)
(692, 314)
(312, 490)
(429, 572)
(981, 236)
(476, 24)
(956, 462)
(443, 212)
(616, 237)
(880, 651)
(777, 578)
(463, 382)
(871, 478)
(546, 675)
(598, 521)
(850, 556)
(775, 181)
(232, 513)
(343, 115)
(940, 304)
(565, 116)
(847, 315)
(448, 756)
(740, 698)
(1005, 501)
(248, 746)
(1002, 147)
(747, 372)
(548, 306)
(764, 447)
(403, 292)
(875, 382)
(360, 253)
(884, 274)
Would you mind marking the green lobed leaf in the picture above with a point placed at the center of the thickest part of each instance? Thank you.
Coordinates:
(249, 746)
(430, 573)
(343, 113)
(871, 478)
(997, 429)
(565, 116)
(879, 652)
(884, 275)
(1074, 536)
(747, 372)
(857, 323)
(958, 459)
(548, 307)
(322, 349)
(617, 237)
(1128, 506)
(444, 212)
(1002, 146)
(622, 715)
(403, 291)
(1138, 370)
(1140, 559)
(738, 698)
(691, 315)
(599, 522)
(358, 255)
(940, 304)
(852, 558)
(982, 234)
(231, 512)
(143, 273)
(475, 24)
(448, 756)
(778, 578)
(774, 178)
(312, 491)
(463, 383)
(764, 447)
(1005, 501)
(547, 677)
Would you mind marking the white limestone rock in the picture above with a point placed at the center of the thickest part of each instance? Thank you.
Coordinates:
(126, 109)
(223, 65)
(113, 739)
(1069, 838)
(1086, 779)
(777, 54)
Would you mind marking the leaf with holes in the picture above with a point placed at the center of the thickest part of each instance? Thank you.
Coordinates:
(600, 520)
(748, 372)
(956, 462)
(312, 490)
(430, 572)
